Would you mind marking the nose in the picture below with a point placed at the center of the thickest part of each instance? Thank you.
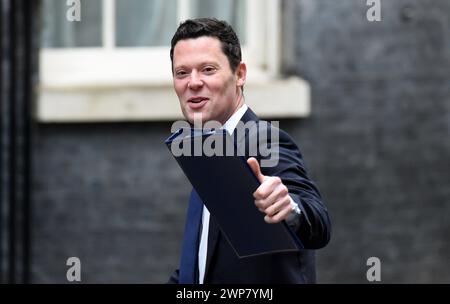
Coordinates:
(195, 82)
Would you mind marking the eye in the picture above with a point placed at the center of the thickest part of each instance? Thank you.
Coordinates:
(209, 70)
(180, 73)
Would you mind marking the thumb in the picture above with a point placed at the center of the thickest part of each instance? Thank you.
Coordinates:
(253, 163)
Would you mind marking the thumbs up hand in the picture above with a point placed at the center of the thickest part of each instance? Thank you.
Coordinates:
(272, 196)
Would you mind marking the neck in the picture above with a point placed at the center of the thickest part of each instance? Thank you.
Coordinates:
(239, 103)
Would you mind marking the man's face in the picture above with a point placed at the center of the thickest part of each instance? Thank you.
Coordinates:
(204, 82)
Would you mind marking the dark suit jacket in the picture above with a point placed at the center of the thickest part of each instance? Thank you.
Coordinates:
(312, 226)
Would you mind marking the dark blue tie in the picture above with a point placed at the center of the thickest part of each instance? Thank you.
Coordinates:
(189, 251)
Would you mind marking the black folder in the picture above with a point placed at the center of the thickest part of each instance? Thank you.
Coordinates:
(226, 183)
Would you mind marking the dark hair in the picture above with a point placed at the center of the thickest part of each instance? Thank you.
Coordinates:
(194, 28)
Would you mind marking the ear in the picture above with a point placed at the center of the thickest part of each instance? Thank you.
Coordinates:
(241, 73)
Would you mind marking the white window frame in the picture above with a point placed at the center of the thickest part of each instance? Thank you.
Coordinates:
(112, 66)
(115, 84)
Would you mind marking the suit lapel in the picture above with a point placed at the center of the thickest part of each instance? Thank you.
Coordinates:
(213, 233)
(240, 137)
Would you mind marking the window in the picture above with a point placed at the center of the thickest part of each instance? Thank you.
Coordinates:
(112, 63)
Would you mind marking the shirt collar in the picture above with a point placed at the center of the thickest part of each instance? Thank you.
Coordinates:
(232, 122)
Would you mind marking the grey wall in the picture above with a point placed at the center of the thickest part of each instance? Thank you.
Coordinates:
(376, 143)
(110, 195)
(378, 140)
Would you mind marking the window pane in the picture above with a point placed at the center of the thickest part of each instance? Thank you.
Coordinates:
(145, 22)
(59, 32)
(232, 11)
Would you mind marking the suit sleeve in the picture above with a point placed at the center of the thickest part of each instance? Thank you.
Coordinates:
(313, 225)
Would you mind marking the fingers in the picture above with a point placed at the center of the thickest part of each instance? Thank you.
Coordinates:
(278, 206)
(276, 210)
(281, 215)
(272, 196)
(253, 163)
(268, 193)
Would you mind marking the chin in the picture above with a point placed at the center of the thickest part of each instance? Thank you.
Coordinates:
(190, 116)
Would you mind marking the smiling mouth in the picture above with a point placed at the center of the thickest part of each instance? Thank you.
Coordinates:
(197, 103)
(197, 99)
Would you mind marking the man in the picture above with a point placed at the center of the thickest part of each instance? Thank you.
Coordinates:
(208, 78)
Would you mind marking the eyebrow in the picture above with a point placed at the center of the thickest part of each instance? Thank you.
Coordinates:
(214, 63)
